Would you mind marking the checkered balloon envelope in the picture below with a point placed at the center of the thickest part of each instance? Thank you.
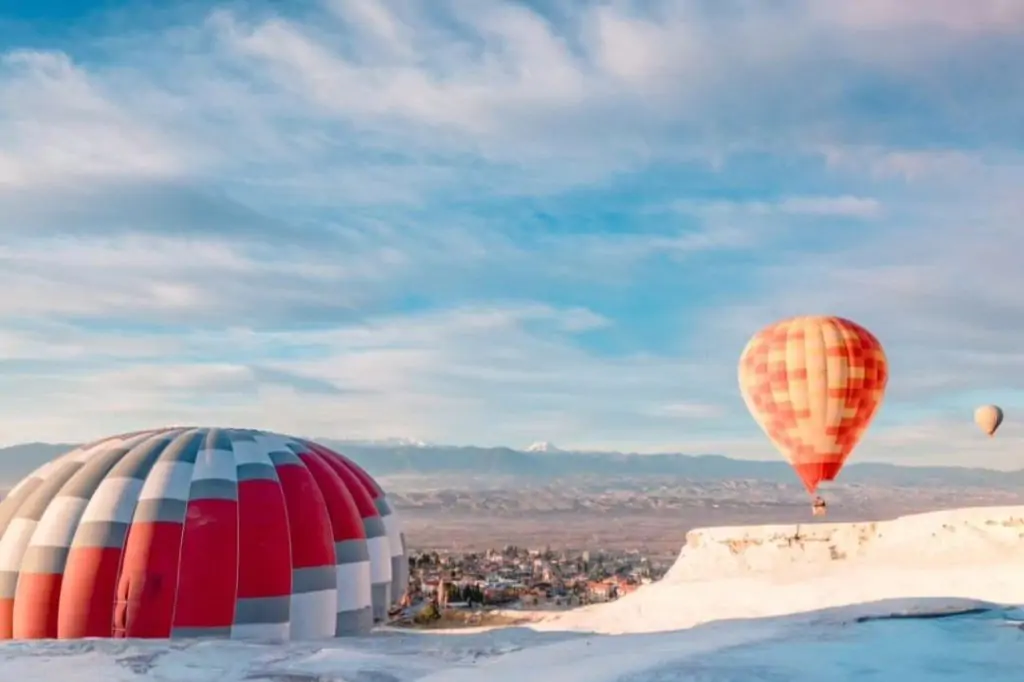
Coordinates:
(813, 384)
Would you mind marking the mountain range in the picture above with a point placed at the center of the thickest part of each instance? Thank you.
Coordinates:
(545, 461)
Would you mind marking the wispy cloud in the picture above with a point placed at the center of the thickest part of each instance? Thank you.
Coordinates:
(490, 375)
(828, 206)
(58, 126)
(816, 206)
(940, 292)
(688, 411)
(574, 95)
(504, 222)
(987, 16)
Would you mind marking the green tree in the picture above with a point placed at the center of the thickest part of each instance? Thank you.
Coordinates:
(427, 614)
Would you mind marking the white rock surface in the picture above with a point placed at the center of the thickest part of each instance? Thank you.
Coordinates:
(828, 574)
(745, 572)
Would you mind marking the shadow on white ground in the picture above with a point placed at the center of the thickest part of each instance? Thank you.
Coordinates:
(829, 644)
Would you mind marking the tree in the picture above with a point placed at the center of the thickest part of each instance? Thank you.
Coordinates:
(474, 595)
(428, 613)
(454, 593)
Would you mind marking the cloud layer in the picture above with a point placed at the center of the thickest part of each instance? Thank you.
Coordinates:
(502, 223)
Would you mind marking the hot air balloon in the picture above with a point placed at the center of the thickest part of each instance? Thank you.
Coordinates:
(197, 532)
(988, 418)
(813, 384)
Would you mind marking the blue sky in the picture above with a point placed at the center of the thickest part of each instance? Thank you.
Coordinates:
(498, 223)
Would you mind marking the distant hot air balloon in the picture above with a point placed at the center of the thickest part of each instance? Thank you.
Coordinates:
(814, 384)
(988, 418)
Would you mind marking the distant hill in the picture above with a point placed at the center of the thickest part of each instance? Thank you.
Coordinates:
(384, 460)
(18, 460)
(391, 458)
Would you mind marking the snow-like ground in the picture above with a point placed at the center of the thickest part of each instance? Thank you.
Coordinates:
(760, 571)
(758, 603)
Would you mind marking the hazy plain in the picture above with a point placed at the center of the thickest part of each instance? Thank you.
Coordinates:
(650, 514)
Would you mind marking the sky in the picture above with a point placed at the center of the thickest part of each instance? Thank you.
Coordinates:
(506, 222)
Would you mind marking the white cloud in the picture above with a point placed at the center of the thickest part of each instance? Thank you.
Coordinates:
(856, 207)
(912, 165)
(510, 84)
(844, 206)
(201, 189)
(484, 376)
(373, 100)
(57, 126)
(689, 410)
(56, 341)
(492, 375)
(246, 269)
(988, 16)
(951, 441)
(941, 293)
(164, 278)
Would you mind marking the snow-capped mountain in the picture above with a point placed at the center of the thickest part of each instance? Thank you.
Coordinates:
(543, 446)
(386, 442)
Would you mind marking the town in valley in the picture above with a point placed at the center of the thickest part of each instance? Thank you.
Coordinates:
(473, 588)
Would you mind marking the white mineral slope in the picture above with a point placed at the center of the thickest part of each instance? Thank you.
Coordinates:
(825, 573)
(787, 648)
(948, 557)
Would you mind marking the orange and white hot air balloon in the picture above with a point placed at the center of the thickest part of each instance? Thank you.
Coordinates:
(814, 384)
(988, 418)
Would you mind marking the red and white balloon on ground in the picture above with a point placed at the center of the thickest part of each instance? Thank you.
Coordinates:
(198, 532)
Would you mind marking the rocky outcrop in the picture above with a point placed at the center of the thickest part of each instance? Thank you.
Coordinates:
(953, 534)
